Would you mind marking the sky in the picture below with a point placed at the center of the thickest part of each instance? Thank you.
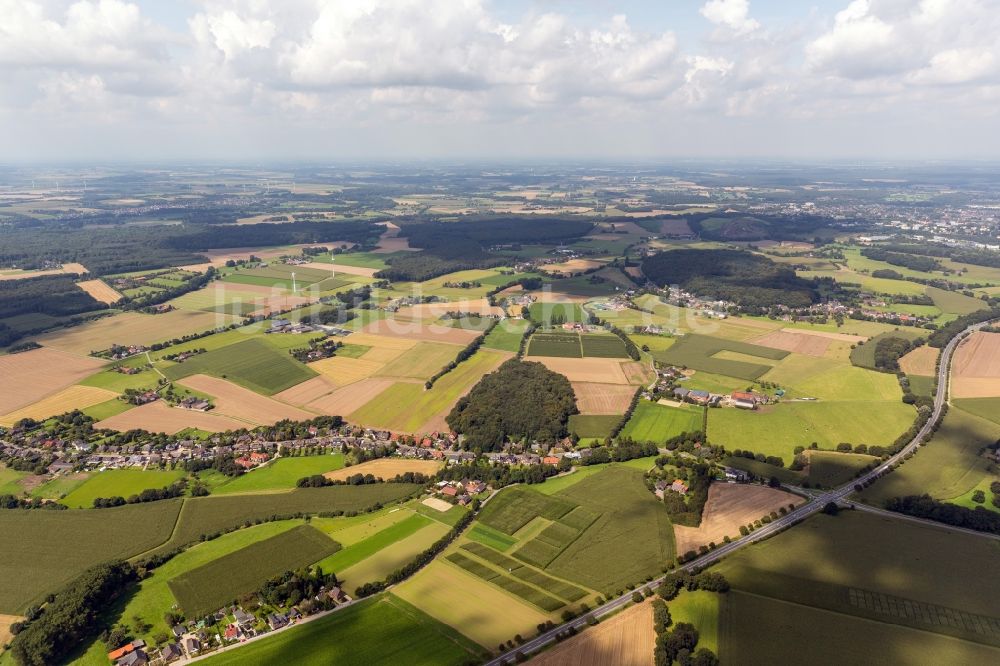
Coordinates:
(238, 80)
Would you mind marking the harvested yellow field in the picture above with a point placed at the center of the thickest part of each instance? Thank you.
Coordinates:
(390, 240)
(415, 330)
(5, 622)
(480, 611)
(573, 266)
(131, 328)
(387, 468)
(68, 399)
(29, 376)
(598, 370)
(349, 398)
(594, 398)
(100, 291)
(730, 505)
(67, 269)
(335, 268)
(243, 404)
(421, 362)
(436, 310)
(380, 341)
(627, 639)
(160, 417)
(279, 303)
(810, 345)
(638, 373)
(976, 369)
(437, 504)
(843, 337)
(343, 370)
(921, 361)
(307, 391)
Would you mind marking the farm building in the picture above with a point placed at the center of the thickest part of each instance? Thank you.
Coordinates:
(679, 487)
(744, 400)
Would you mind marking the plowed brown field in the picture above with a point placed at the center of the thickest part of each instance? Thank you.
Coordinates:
(29, 376)
(592, 398)
(627, 639)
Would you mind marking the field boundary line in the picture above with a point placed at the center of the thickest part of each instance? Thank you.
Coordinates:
(173, 531)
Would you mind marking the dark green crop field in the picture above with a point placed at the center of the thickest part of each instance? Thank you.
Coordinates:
(253, 364)
(209, 587)
(603, 346)
(558, 343)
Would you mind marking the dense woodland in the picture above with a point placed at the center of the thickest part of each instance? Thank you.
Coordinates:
(961, 255)
(732, 275)
(911, 261)
(521, 400)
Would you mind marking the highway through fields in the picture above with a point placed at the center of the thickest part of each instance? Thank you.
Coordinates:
(814, 504)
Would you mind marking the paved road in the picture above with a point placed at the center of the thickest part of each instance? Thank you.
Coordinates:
(813, 505)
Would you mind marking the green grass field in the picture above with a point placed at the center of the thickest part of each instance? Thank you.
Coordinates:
(984, 408)
(379, 565)
(925, 386)
(506, 336)
(651, 422)
(119, 483)
(406, 407)
(515, 507)
(829, 469)
(61, 485)
(700, 352)
(701, 609)
(382, 630)
(105, 410)
(53, 547)
(597, 426)
(207, 588)
(832, 379)
(828, 563)
(564, 344)
(947, 467)
(955, 303)
(490, 537)
(546, 314)
(281, 474)
(778, 429)
(356, 552)
(10, 481)
(863, 355)
(252, 364)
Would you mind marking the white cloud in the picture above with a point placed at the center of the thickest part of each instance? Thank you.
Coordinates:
(731, 14)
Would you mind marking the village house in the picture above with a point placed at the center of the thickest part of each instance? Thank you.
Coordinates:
(170, 652)
(191, 645)
(660, 487)
(736, 475)
(243, 618)
(679, 487)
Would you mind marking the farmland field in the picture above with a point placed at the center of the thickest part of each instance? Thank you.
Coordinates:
(559, 344)
(596, 426)
(442, 591)
(976, 368)
(701, 609)
(384, 629)
(947, 467)
(651, 422)
(31, 375)
(594, 398)
(921, 361)
(984, 408)
(627, 639)
(100, 291)
(729, 506)
(281, 474)
(387, 468)
(52, 547)
(66, 400)
(119, 483)
(506, 336)
(408, 407)
(602, 346)
(825, 563)
(421, 361)
(545, 313)
(955, 303)
(864, 355)
(130, 328)
(252, 363)
(160, 417)
(205, 589)
(778, 429)
(208, 515)
(829, 469)
(242, 404)
(700, 352)
(595, 370)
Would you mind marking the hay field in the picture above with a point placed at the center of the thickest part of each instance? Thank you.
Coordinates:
(729, 506)
(100, 291)
(976, 368)
(341, 268)
(435, 310)
(243, 404)
(921, 361)
(130, 328)
(305, 392)
(387, 468)
(810, 345)
(481, 611)
(343, 370)
(350, 398)
(5, 622)
(415, 330)
(68, 399)
(160, 417)
(627, 639)
(637, 372)
(573, 266)
(29, 376)
(592, 398)
(599, 370)
(420, 362)
(67, 269)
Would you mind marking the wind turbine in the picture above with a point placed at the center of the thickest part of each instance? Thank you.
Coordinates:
(333, 271)
(293, 282)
